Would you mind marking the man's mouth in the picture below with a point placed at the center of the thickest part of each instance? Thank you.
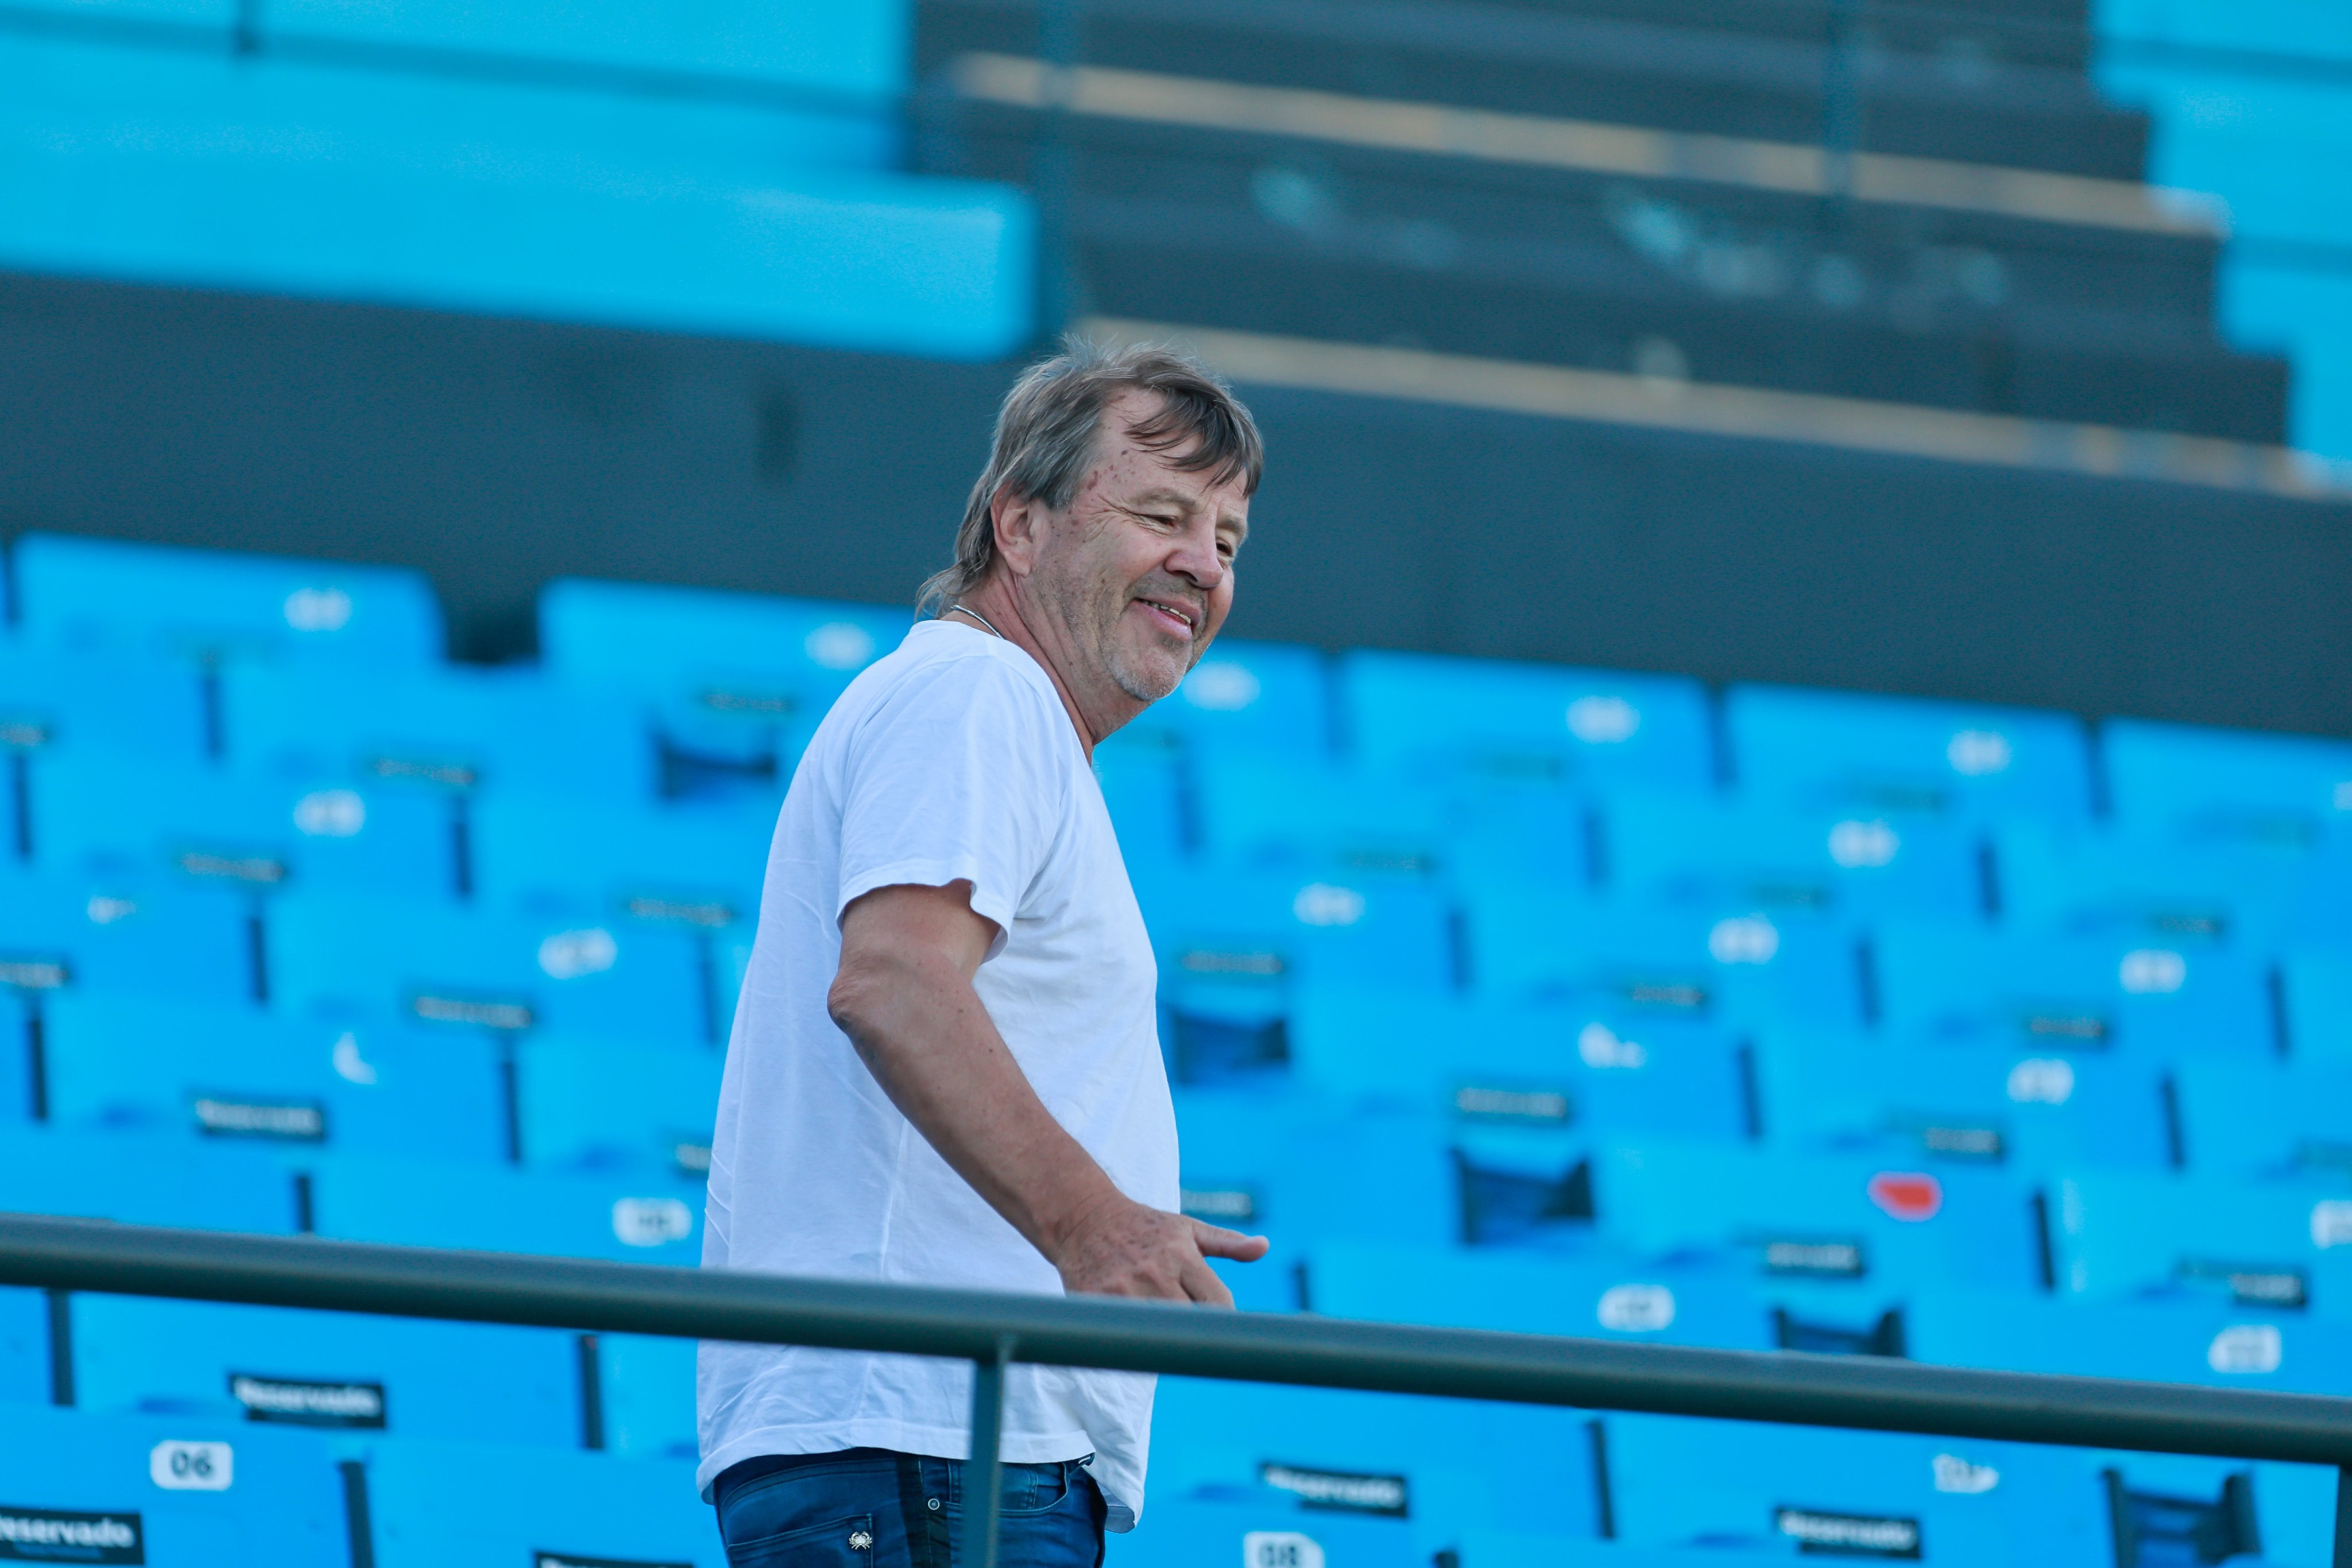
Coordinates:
(1178, 618)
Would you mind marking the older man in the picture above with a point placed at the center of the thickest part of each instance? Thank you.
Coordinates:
(945, 1067)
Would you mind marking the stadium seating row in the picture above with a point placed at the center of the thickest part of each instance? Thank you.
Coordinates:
(1381, 1479)
(656, 959)
(696, 867)
(1876, 1230)
(463, 1076)
(728, 681)
(194, 1488)
(1889, 1225)
(219, 1075)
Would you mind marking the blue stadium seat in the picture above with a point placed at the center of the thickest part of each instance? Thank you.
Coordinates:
(1302, 1170)
(1441, 1465)
(646, 1385)
(489, 1505)
(218, 607)
(190, 1492)
(183, 1071)
(2241, 1118)
(2038, 992)
(1274, 1283)
(731, 958)
(1225, 1027)
(1270, 1530)
(1700, 853)
(2171, 1509)
(2315, 994)
(1262, 808)
(124, 934)
(343, 1371)
(503, 971)
(1297, 1172)
(1262, 696)
(1526, 1549)
(145, 1181)
(1517, 1182)
(2280, 1244)
(1569, 1276)
(1965, 1104)
(444, 733)
(259, 830)
(638, 636)
(1614, 1074)
(1676, 1302)
(686, 875)
(1483, 717)
(2211, 1343)
(1853, 1224)
(697, 866)
(684, 215)
(621, 1218)
(1143, 774)
(1232, 946)
(846, 54)
(1803, 1490)
(56, 703)
(1731, 969)
(2281, 793)
(1520, 1096)
(26, 1372)
(615, 1105)
(2154, 891)
(1847, 752)
(734, 683)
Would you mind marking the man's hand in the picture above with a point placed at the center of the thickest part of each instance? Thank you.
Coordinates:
(1114, 1246)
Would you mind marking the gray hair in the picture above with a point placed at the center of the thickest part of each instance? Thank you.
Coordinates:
(1045, 440)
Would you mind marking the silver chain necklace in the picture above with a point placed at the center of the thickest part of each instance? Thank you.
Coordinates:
(976, 615)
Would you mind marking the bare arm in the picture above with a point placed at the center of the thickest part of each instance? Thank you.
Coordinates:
(904, 995)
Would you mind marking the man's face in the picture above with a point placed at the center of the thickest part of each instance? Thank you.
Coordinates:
(1139, 568)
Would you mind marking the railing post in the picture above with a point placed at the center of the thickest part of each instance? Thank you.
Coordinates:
(2344, 1517)
(983, 1477)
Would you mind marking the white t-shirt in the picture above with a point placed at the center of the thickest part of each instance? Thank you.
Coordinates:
(949, 759)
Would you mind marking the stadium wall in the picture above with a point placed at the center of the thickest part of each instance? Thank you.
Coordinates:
(497, 453)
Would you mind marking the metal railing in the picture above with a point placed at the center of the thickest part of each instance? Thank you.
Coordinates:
(993, 1330)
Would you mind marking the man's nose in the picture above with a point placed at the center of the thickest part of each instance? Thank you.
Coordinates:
(1197, 559)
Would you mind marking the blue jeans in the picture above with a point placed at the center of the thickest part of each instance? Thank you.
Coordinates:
(871, 1508)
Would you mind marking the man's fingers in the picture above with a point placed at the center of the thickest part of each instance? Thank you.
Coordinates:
(1215, 1242)
(1201, 1284)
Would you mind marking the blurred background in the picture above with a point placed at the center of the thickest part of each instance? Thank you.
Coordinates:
(1998, 350)
(1780, 778)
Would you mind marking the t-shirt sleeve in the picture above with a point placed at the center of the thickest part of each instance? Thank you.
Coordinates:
(958, 777)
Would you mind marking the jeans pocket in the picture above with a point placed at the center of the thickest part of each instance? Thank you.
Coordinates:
(1034, 1489)
(1067, 1534)
(844, 1542)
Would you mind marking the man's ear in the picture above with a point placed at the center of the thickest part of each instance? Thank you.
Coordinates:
(1020, 525)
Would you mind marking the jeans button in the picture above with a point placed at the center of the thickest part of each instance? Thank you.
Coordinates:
(933, 1505)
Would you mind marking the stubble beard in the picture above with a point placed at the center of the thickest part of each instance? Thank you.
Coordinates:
(1095, 607)
(1142, 688)
(1144, 684)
